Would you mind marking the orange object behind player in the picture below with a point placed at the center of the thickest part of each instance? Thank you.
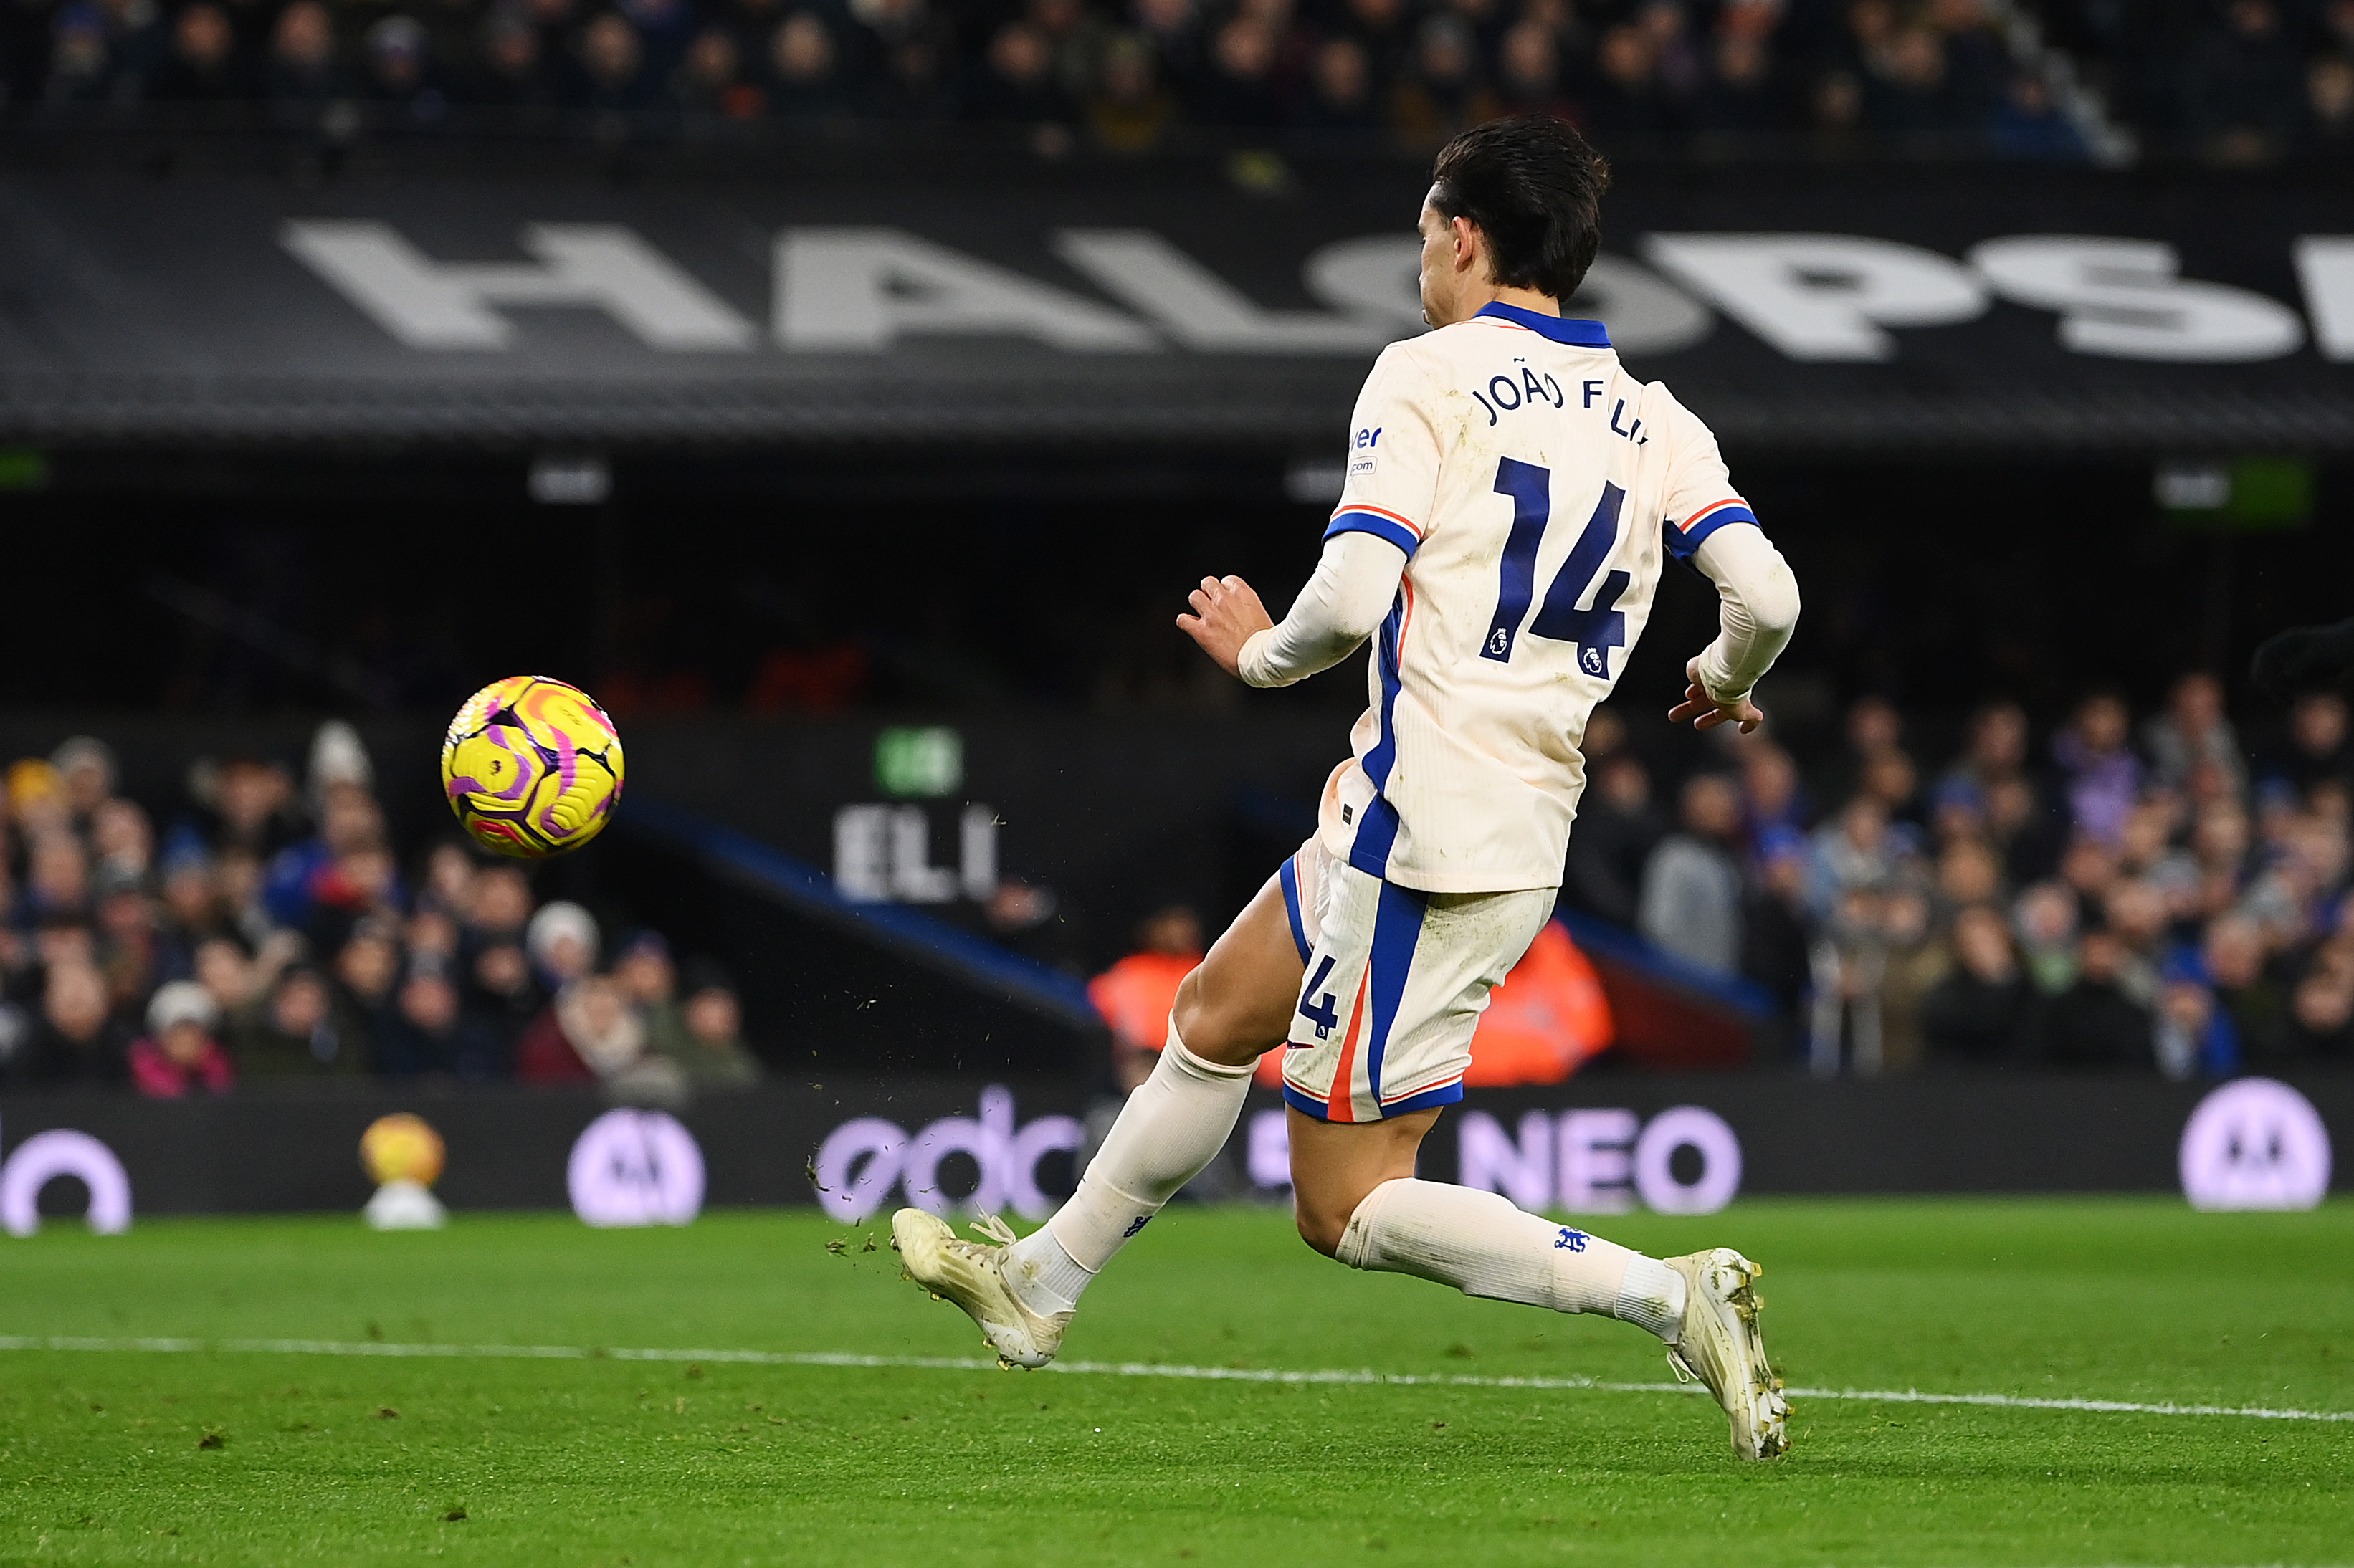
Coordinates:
(1546, 1019)
(1136, 994)
(1542, 1025)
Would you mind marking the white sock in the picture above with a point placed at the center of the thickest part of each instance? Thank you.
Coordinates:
(1483, 1245)
(1172, 1127)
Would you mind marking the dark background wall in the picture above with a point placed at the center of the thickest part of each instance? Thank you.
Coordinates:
(384, 585)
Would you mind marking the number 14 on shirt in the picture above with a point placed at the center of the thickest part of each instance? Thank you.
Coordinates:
(1596, 629)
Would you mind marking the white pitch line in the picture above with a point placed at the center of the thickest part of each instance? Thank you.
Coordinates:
(1103, 1368)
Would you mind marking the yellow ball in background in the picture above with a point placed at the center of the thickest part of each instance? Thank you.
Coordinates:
(532, 767)
(401, 1148)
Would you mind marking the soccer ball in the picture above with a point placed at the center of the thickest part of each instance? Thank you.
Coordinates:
(401, 1148)
(532, 767)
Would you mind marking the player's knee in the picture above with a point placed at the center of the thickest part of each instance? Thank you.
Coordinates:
(1320, 1225)
(1212, 1032)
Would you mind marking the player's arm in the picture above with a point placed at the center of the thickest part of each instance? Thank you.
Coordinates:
(1710, 527)
(1384, 511)
(1355, 580)
(1757, 610)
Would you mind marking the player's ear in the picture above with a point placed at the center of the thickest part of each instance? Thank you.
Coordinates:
(1466, 243)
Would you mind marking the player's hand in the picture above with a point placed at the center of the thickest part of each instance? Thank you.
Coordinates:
(1706, 712)
(1226, 611)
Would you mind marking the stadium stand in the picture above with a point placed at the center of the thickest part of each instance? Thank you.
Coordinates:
(1711, 78)
(2248, 81)
(272, 933)
(2155, 894)
(2158, 896)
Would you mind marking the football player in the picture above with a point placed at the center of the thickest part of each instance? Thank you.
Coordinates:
(1513, 496)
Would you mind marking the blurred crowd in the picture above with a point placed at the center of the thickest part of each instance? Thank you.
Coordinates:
(2157, 895)
(269, 931)
(1838, 77)
(2236, 82)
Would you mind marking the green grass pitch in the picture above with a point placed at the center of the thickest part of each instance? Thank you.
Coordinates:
(223, 1455)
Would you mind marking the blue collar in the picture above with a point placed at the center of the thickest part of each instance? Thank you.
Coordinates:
(1577, 334)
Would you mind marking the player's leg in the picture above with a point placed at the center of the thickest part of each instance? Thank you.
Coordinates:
(1361, 1202)
(1401, 978)
(1229, 1011)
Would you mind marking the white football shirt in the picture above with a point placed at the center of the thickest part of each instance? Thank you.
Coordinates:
(1537, 489)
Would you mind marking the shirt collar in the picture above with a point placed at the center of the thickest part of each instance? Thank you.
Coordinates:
(1577, 334)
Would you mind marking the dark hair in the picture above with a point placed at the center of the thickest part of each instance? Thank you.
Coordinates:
(1535, 188)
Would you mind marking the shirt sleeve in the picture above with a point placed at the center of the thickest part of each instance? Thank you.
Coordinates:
(1354, 582)
(1757, 610)
(1699, 496)
(1394, 452)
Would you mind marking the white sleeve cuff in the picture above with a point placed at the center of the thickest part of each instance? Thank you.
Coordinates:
(1254, 666)
(1757, 611)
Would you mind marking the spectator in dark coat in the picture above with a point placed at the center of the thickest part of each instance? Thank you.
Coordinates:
(83, 67)
(1238, 90)
(1981, 1012)
(1441, 94)
(1743, 98)
(710, 1049)
(1617, 828)
(1627, 105)
(2094, 1023)
(76, 1040)
(1015, 84)
(367, 972)
(2330, 107)
(401, 76)
(1339, 99)
(1385, 30)
(428, 1034)
(1171, 29)
(1910, 98)
(515, 74)
(1130, 111)
(2319, 1028)
(709, 81)
(2244, 984)
(2318, 747)
(2028, 124)
(612, 75)
(295, 1032)
(1977, 61)
(501, 992)
(2246, 84)
(805, 64)
(1775, 948)
(203, 67)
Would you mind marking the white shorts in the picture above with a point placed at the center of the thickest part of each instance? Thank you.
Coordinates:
(1396, 982)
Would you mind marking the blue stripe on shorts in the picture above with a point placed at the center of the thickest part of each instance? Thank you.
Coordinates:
(1290, 877)
(1398, 928)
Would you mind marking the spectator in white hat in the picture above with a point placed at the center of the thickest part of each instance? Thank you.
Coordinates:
(179, 1052)
(85, 765)
(562, 941)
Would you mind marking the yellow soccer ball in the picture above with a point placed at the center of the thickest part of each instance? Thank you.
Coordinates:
(401, 1148)
(532, 767)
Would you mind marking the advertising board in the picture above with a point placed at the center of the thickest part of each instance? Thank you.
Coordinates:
(1159, 305)
(1672, 1143)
